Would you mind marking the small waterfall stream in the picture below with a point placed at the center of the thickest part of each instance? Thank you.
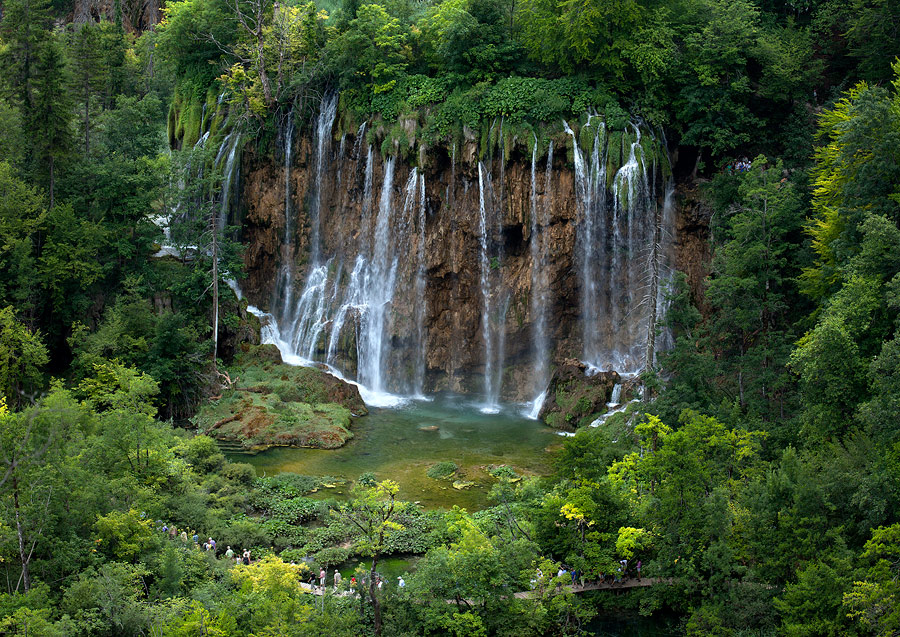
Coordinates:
(485, 263)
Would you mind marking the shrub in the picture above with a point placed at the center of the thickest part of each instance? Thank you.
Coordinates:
(239, 472)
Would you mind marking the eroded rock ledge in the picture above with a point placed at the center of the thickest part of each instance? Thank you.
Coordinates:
(278, 405)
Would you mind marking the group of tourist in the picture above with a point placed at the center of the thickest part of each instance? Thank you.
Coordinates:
(742, 166)
(208, 545)
(320, 584)
(578, 581)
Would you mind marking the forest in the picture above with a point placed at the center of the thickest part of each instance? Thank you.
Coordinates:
(754, 476)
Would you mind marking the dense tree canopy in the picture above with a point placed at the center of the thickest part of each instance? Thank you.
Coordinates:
(758, 479)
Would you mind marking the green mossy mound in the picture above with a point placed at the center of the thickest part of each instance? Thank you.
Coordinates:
(277, 405)
(575, 399)
(442, 470)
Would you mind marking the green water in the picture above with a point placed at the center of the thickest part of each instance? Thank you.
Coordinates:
(390, 443)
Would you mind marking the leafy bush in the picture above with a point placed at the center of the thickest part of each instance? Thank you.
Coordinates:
(331, 556)
(239, 472)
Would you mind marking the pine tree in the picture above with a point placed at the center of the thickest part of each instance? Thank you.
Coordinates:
(49, 119)
(89, 75)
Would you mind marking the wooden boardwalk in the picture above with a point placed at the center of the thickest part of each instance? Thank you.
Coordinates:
(631, 582)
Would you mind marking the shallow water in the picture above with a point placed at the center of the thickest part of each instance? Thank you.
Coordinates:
(390, 443)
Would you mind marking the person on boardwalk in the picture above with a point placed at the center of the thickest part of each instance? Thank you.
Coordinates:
(184, 537)
(322, 576)
(337, 579)
(638, 568)
(172, 532)
(229, 554)
(247, 557)
(400, 581)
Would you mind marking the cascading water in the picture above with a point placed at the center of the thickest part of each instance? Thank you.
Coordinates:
(363, 310)
(285, 278)
(490, 391)
(616, 322)
(324, 124)
(539, 291)
(229, 150)
(379, 291)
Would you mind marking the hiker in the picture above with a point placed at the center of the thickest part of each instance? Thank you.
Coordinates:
(247, 557)
(638, 568)
(322, 577)
(380, 582)
(196, 538)
(184, 536)
(229, 554)
(172, 532)
(212, 545)
(400, 582)
(337, 579)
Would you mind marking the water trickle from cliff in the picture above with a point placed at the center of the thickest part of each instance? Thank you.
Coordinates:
(421, 282)
(622, 243)
(285, 278)
(324, 124)
(379, 291)
(590, 179)
(229, 153)
(539, 291)
(491, 391)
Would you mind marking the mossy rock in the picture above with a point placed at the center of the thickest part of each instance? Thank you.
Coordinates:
(442, 470)
(278, 405)
(461, 485)
(575, 399)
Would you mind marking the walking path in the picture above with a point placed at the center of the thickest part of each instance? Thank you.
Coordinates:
(631, 582)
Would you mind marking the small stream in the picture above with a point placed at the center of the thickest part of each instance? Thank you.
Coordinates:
(402, 443)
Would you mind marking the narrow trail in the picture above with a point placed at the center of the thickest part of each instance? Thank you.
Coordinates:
(631, 582)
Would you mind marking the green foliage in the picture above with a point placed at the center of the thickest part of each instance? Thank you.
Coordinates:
(442, 470)
(22, 355)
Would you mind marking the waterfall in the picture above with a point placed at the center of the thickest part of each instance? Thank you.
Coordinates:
(324, 124)
(623, 240)
(421, 282)
(285, 277)
(229, 172)
(379, 291)
(486, 331)
(590, 181)
(539, 292)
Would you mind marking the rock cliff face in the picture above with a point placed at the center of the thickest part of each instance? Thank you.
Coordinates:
(433, 270)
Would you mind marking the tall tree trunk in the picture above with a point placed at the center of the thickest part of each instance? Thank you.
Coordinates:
(376, 605)
(215, 286)
(87, 118)
(24, 557)
(52, 182)
(261, 61)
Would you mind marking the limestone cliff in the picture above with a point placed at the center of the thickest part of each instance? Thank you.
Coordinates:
(474, 264)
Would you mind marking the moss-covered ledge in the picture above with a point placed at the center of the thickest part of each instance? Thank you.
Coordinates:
(271, 404)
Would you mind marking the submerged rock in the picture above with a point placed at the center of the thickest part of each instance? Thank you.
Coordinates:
(429, 428)
(575, 399)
